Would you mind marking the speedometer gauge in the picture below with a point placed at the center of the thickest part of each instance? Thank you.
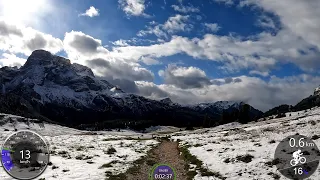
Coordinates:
(25, 155)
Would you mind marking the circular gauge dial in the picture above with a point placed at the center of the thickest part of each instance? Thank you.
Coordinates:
(24, 155)
(162, 172)
(297, 157)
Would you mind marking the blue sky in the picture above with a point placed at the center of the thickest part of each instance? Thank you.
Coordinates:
(191, 51)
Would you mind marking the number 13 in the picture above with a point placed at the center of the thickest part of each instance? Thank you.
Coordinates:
(27, 156)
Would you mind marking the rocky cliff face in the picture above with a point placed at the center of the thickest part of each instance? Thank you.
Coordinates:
(317, 91)
(51, 87)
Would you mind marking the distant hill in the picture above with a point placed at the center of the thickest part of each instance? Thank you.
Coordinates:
(278, 110)
(306, 103)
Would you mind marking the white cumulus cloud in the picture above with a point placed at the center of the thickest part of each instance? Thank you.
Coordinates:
(255, 91)
(302, 18)
(214, 27)
(184, 77)
(19, 39)
(91, 12)
(80, 46)
(177, 23)
(185, 9)
(11, 60)
(120, 42)
(133, 7)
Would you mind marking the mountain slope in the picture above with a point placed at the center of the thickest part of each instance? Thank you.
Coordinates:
(304, 104)
(278, 110)
(51, 88)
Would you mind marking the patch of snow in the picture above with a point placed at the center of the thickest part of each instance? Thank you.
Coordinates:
(221, 105)
(113, 89)
(161, 129)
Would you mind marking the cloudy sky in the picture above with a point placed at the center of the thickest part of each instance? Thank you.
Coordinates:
(263, 52)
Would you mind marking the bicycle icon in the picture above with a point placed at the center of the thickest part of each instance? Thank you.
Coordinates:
(297, 158)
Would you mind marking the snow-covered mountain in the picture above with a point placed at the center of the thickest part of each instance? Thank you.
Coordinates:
(54, 79)
(52, 88)
(218, 106)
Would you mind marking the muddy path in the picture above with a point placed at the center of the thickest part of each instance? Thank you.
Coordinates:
(166, 152)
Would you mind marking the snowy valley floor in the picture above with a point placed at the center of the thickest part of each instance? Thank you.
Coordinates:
(77, 155)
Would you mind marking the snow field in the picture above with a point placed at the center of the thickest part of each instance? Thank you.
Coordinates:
(79, 155)
(219, 147)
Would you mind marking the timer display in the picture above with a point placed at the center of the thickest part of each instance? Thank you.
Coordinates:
(162, 172)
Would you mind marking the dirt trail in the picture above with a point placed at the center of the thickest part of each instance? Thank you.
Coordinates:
(166, 152)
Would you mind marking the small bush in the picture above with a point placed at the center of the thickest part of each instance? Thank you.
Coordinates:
(80, 148)
(120, 176)
(107, 165)
(272, 142)
(206, 172)
(275, 176)
(111, 150)
(245, 158)
(315, 137)
(53, 152)
(108, 173)
(269, 129)
(313, 123)
(281, 115)
(273, 162)
(227, 160)
(87, 157)
(257, 144)
(62, 152)
(151, 162)
(80, 157)
(191, 174)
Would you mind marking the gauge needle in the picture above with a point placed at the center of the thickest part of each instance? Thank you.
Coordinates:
(8, 149)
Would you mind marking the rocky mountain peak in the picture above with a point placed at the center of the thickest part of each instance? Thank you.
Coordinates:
(317, 91)
(82, 70)
(166, 100)
(219, 105)
(44, 58)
